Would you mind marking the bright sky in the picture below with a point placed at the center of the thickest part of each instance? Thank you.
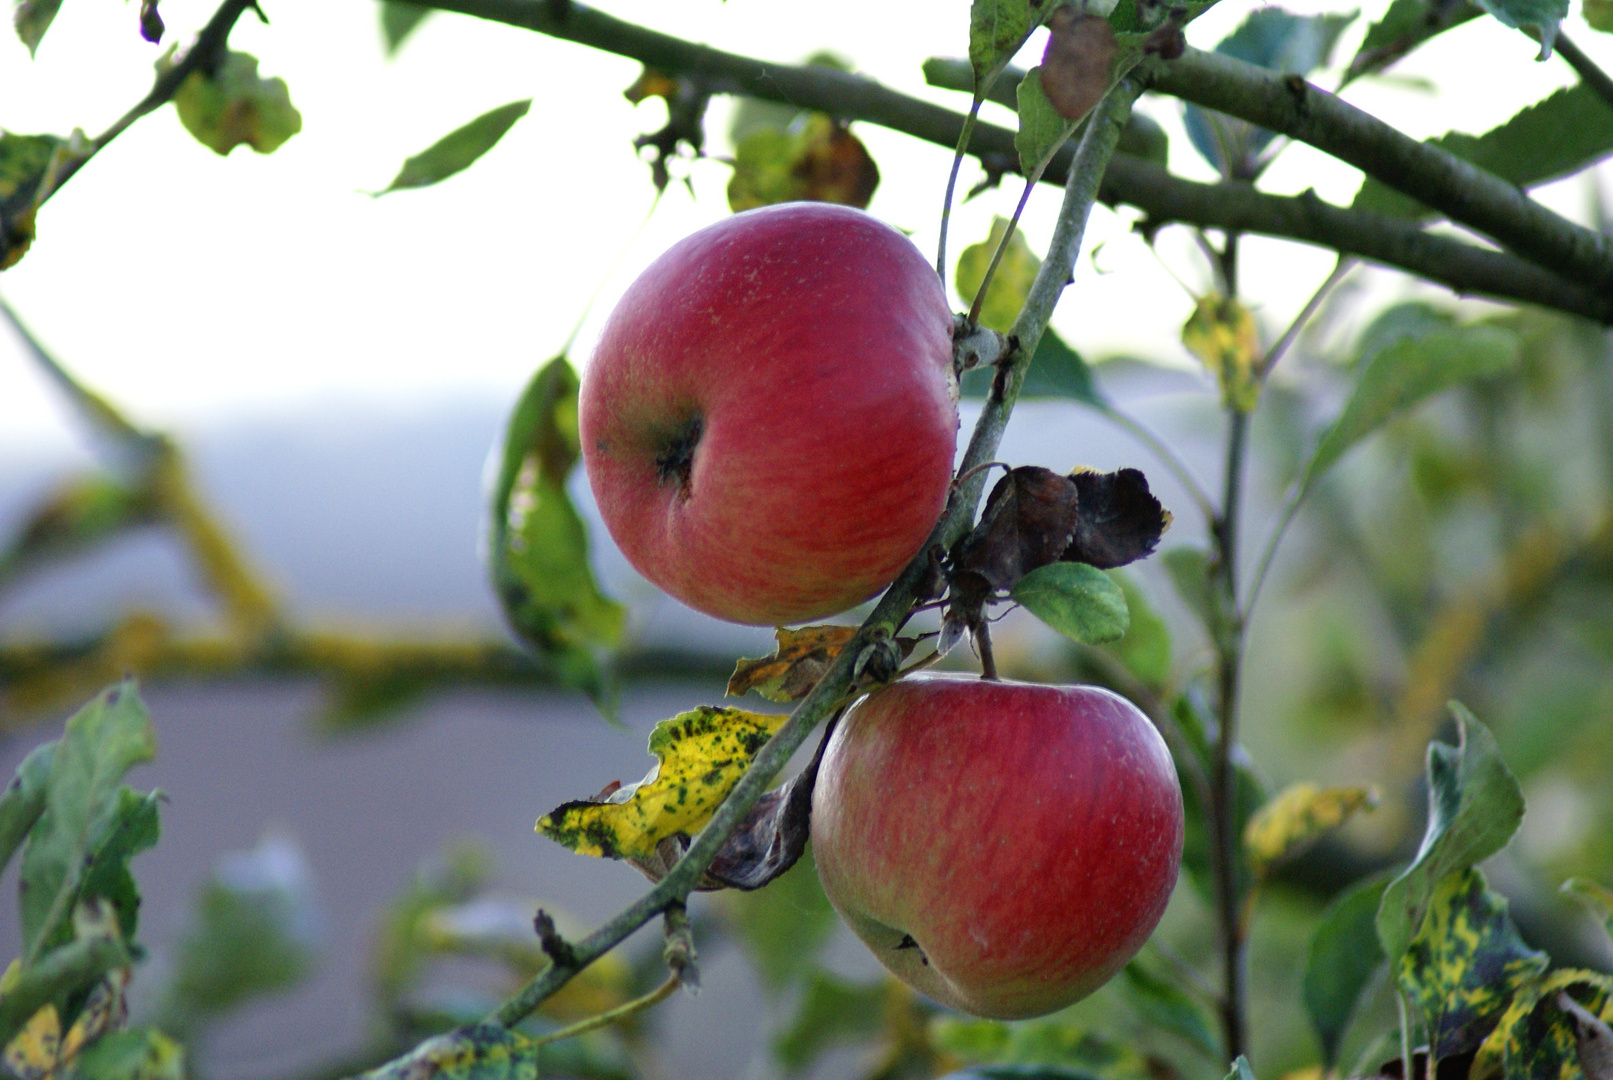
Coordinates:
(194, 289)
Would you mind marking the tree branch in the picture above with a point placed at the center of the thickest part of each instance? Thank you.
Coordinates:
(1394, 242)
(1458, 189)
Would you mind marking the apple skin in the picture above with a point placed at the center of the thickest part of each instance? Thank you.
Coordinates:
(1025, 838)
(770, 417)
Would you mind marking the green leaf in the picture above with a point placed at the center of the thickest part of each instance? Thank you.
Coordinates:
(134, 828)
(24, 799)
(29, 168)
(1145, 649)
(783, 926)
(1164, 1005)
(133, 1054)
(1041, 129)
(1557, 136)
(1343, 957)
(1009, 285)
(539, 545)
(1599, 14)
(832, 1011)
(1296, 816)
(458, 149)
(997, 30)
(398, 20)
(1406, 25)
(1079, 601)
(1052, 1048)
(62, 974)
(1189, 570)
(478, 1052)
(1403, 374)
(82, 811)
(453, 876)
(1541, 16)
(1597, 897)
(80, 514)
(1463, 967)
(1474, 807)
(252, 933)
(816, 159)
(1056, 371)
(32, 18)
(232, 105)
(1279, 41)
(1536, 1038)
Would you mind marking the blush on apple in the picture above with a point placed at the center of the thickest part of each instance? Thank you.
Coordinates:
(1003, 848)
(769, 420)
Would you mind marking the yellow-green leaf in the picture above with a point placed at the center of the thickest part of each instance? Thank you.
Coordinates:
(234, 105)
(30, 166)
(702, 753)
(1595, 896)
(1298, 815)
(1535, 1037)
(1599, 13)
(815, 160)
(1462, 970)
(795, 667)
(1222, 333)
(1009, 285)
(479, 1052)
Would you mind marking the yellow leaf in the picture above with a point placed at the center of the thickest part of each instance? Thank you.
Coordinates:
(1009, 285)
(795, 667)
(816, 160)
(1536, 1036)
(1299, 815)
(36, 1051)
(1221, 332)
(702, 755)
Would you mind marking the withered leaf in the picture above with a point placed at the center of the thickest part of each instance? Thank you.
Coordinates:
(1078, 60)
(1119, 520)
(795, 667)
(767, 842)
(1029, 521)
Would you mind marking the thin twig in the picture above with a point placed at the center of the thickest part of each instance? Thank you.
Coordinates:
(1591, 75)
(611, 1016)
(1340, 270)
(997, 256)
(952, 186)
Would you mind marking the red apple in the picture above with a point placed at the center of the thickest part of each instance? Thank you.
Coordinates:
(769, 420)
(1003, 848)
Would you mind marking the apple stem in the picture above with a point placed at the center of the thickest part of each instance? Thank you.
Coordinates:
(952, 182)
(988, 662)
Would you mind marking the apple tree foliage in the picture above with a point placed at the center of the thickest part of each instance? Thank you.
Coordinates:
(1451, 466)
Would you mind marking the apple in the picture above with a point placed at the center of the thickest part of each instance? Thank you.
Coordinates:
(769, 420)
(1003, 848)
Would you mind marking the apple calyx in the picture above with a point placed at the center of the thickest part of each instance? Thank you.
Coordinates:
(675, 462)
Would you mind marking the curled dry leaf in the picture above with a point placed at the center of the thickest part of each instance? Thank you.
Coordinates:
(795, 667)
(1034, 517)
(1077, 62)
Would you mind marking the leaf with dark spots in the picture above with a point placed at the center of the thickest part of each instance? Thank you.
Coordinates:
(702, 754)
(802, 657)
(770, 839)
(1119, 520)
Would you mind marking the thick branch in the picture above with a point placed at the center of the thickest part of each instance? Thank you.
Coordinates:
(1458, 189)
(1394, 242)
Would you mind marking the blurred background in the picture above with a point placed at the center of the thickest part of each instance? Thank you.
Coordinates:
(336, 371)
